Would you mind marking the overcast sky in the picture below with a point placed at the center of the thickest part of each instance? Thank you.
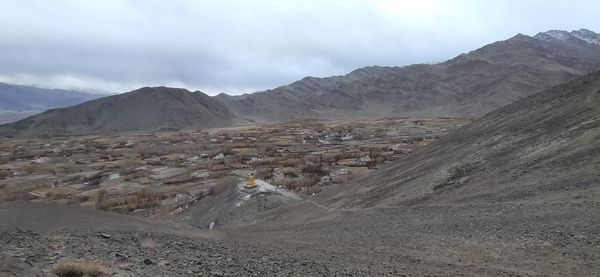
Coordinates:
(246, 46)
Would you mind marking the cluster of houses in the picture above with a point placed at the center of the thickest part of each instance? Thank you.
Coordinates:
(298, 156)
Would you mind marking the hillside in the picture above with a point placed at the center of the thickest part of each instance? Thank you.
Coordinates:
(515, 193)
(545, 147)
(142, 109)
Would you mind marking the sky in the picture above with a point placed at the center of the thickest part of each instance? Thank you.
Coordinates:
(234, 47)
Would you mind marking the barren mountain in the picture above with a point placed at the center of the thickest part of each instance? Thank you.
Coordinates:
(545, 147)
(142, 109)
(471, 84)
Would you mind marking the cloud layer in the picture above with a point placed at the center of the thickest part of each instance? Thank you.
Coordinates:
(245, 46)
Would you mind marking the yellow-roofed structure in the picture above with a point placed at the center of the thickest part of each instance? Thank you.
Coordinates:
(250, 182)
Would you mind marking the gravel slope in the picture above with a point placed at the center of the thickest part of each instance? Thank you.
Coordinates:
(511, 239)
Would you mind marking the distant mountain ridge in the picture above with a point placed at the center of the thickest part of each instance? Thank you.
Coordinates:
(469, 85)
(18, 98)
(143, 109)
(18, 102)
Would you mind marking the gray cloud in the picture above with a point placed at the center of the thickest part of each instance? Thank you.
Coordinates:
(244, 46)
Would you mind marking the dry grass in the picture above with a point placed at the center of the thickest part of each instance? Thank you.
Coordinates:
(25, 186)
(61, 192)
(148, 243)
(458, 171)
(79, 268)
(83, 198)
(125, 203)
(14, 196)
(456, 174)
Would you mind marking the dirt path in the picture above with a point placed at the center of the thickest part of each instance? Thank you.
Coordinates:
(510, 203)
(49, 217)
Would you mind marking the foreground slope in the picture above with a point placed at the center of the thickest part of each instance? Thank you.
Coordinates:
(142, 109)
(545, 147)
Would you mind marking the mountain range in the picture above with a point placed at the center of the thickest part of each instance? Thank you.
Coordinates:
(469, 85)
(16, 98)
(17, 101)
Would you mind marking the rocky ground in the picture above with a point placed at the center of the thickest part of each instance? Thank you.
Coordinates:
(150, 254)
(509, 239)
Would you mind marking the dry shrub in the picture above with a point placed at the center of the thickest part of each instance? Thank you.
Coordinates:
(83, 198)
(264, 173)
(101, 199)
(79, 268)
(313, 168)
(456, 174)
(5, 173)
(125, 203)
(218, 174)
(458, 171)
(61, 193)
(148, 243)
(18, 195)
(289, 163)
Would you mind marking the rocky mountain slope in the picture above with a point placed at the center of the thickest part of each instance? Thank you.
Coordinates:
(545, 147)
(471, 84)
(142, 109)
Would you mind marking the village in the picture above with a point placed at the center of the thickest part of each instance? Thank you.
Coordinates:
(147, 173)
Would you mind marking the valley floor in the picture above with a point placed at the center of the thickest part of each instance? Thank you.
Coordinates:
(539, 229)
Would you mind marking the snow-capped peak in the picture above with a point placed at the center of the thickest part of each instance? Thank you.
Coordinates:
(562, 36)
(553, 35)
(587, 36)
